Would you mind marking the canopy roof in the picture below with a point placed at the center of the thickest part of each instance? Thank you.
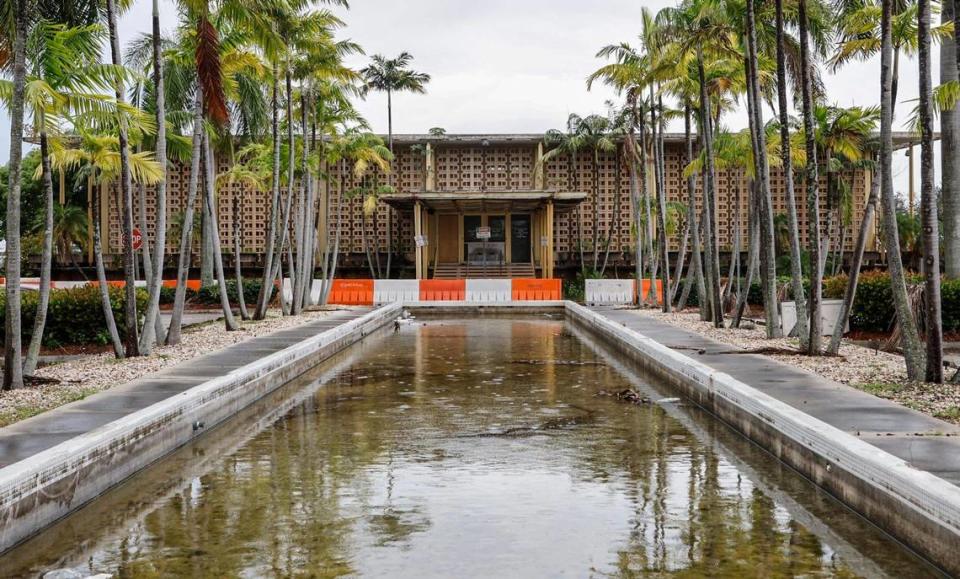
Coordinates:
(485, 201)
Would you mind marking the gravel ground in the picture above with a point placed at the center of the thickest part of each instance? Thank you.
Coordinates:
(90, 374)
(880, 373)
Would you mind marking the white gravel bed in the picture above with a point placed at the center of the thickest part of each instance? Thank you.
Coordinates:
(90, 374)
(880, 373)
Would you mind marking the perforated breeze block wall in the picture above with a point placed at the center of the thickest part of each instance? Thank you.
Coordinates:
(492, 167)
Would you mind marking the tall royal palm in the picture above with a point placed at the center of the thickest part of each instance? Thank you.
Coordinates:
(392, 75)
(928, 203)
(13, 372)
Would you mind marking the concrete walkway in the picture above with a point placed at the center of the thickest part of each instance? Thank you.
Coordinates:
(28, 437)
(924, 442)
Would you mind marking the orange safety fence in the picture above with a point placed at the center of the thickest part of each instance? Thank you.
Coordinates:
(443, 290)
(193, 284)
(536, 289)
(351, 292)
(645, 287)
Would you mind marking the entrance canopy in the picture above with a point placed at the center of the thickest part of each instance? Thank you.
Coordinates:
(485, 201)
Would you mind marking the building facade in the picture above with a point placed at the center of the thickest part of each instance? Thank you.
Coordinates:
(467, 205)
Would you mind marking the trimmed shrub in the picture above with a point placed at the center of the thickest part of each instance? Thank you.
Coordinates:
(74, 316)
(210, 295)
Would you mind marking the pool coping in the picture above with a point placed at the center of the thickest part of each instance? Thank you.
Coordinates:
(914, 506)
(45, 487)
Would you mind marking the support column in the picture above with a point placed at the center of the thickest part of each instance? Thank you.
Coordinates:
(538, 169)
(548, 267)
(63, 188)
(417, 232)
(431, 181)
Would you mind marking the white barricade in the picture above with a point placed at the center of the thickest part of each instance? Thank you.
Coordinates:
(829, 314)
(601, 292)
(387, 291)
(488, 291)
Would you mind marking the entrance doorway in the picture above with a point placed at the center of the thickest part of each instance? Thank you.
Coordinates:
(448, 238)
(519, 238)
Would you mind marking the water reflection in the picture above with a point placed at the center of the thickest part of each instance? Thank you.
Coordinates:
(478, 448)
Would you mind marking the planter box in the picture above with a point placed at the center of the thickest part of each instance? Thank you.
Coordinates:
(829, 312)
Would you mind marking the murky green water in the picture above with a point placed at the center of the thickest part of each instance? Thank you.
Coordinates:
(468, 448)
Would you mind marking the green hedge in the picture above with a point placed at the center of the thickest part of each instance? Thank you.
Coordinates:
(74, 316)
(210, 295)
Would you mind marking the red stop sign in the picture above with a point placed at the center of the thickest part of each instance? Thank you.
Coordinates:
(137, 238)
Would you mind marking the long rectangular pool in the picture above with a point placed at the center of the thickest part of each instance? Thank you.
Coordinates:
(468, 448)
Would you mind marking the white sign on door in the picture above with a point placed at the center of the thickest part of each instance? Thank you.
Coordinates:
(483, 233)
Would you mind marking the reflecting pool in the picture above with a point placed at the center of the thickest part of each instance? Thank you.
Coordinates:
(456, 448)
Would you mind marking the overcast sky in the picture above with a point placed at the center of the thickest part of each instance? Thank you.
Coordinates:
(509, 65)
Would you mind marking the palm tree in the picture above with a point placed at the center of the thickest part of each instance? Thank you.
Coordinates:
(126, 192)
(928, 204)
(13, 372)
(763, 175)
(392, 75)
(950, 141)
(700, 31)
(912, 349)
(70, 230)
(786, 163)
(811, 180)
(568, 142)
(155, 277)
(64, 78)
(98, 159)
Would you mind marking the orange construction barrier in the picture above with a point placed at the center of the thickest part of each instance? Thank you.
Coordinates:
(536, 289)
(443, 290)
(193, 284)
(645, 287)
(351, 292)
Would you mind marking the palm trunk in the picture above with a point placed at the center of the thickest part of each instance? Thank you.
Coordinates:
(126, 189)
(102, 283)
(635, 211)
(796, 259)
(615, 224)
(928, 204)
(33, 350)
(186, 231)
(667, 305)
(681, 257)
(389, 208)
(266, 287)
(912, 349)
(713, 250)
(812, 187)
(753, 255)
(151, 319)
(856, 263)
(763, 176)
(237, 270)
(696, 259)
(210, 210)
(950, 145)
(13, 370)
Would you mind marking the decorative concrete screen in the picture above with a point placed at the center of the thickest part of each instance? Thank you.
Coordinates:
(604, 292)
(488, 291)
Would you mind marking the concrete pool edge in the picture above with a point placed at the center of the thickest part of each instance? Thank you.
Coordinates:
(914, 506)
(38, 491)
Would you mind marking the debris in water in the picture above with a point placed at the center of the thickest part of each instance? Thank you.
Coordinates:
(627, 395)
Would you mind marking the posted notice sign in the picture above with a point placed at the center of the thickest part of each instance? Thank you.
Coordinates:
(483, 233)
